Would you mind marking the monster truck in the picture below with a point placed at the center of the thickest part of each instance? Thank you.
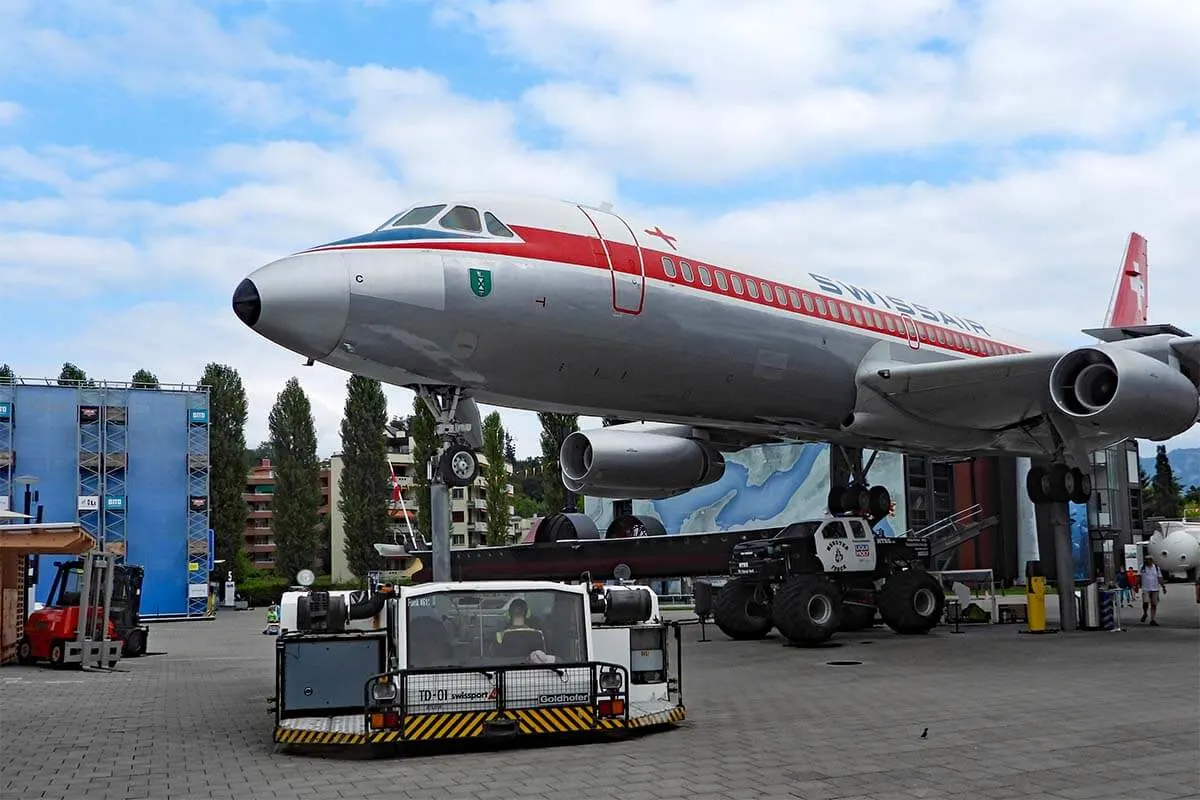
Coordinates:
(820, 576)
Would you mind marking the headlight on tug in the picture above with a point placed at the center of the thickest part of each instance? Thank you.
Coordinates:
(610, 681)
(383, 692)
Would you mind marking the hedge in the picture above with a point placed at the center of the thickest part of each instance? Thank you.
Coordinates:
(263, 590)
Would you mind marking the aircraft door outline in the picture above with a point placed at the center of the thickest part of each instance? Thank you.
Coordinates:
(626, 262)
(910, 328)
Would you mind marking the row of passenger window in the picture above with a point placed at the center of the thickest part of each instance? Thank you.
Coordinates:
(773, 293)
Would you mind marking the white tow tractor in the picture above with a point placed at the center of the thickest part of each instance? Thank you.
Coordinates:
(474, 660)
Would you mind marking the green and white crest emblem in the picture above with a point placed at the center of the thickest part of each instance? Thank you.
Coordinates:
(481, 282)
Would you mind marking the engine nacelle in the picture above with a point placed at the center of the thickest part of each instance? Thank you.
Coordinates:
(638, 461)
(1124, 393)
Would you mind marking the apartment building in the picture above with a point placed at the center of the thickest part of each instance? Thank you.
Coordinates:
(468, 504)
(259, 494)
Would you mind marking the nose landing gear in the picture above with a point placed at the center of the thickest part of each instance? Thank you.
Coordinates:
(456, 462)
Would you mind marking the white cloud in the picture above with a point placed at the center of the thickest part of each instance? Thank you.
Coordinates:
(9, 111)
(666, 88)
(704, 91)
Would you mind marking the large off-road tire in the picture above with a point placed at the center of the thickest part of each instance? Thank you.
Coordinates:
(911, 602)
(808, 609)
(856, 618)
(738, 614)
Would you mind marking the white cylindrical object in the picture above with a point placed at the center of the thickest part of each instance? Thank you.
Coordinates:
(1027, 538)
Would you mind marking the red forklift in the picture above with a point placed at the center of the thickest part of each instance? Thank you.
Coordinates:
(77, 624)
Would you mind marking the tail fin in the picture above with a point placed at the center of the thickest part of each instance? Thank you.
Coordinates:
(1131, 294)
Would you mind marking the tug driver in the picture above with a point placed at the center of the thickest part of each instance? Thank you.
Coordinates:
(519, 639)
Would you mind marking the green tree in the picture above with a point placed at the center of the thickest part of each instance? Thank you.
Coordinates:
(255, 455)
(555, 429)
(71, 375)
(296, 519)
(422, 432)
(1166, 489)
(495, 476)
(227, 411)
(365, 475)
(145, 378)
(510, 449)
(6, 373)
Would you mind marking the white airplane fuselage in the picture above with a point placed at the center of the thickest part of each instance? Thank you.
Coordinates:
(583, 311)
(548, 305)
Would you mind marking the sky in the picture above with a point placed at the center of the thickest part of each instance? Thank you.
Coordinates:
(990, 156)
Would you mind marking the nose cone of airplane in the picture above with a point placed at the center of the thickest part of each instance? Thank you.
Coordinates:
(247, 303)
(300, 302)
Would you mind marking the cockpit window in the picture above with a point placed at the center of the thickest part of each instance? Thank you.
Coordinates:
(496, 227)
(419, 215)
(462, 218)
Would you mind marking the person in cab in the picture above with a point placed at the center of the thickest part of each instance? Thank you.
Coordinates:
(519, 638)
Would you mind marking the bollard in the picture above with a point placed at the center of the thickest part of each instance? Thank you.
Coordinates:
(1035, 597)
(1110, 619)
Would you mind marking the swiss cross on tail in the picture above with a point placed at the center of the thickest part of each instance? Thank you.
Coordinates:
(665, 237)
(1130, 302)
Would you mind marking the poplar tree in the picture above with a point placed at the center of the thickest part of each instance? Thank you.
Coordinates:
(422, 431)
(365, 480)
(495, 476)
(227, 411)
(555, 429)
(297, 500)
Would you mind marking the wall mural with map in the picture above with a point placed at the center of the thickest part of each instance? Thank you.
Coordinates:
(763, 487)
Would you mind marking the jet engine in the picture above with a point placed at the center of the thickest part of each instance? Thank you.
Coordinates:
(1124, 393)
(639, 461)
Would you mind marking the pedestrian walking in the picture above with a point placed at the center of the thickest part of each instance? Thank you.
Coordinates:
(1152, 583)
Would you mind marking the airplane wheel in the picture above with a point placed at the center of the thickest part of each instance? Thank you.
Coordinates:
(1082, 490)
(1035, 485)
(856, 498)
(1059, 483)
(879, 501)
(835, 499)
(458, 466)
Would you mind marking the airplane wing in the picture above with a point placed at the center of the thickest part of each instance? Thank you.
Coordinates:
(1007, 399)
(993, 393)
(1188, 349)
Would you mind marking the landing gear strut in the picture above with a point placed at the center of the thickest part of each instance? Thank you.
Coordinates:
(456, 462)
(874, 502)
(454, 465)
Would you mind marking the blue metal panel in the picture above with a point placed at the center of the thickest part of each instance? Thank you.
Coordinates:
(45, 438)
(7, 394)
(156, 509)
(133, 455)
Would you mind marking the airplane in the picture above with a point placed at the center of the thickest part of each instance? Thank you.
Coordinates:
(550, 305)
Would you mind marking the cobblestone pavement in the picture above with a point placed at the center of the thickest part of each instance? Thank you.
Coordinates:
(1085, 715)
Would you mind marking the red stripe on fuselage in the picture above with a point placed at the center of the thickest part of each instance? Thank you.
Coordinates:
(588, 251)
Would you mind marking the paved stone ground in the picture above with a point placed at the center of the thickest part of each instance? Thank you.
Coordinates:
(1008, 716)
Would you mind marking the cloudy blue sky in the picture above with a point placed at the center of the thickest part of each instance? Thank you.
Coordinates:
(989, 156)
